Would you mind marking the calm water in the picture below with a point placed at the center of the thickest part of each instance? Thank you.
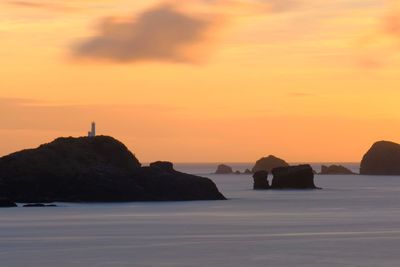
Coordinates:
(354, 221)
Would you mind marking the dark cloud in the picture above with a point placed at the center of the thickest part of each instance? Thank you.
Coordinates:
(162, 33)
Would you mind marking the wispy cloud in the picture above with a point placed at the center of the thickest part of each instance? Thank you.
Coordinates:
(42, 5)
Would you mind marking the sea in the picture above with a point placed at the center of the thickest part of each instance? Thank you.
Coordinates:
(353, 221)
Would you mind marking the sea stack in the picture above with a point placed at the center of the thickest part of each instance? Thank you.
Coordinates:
(335, 170)
(261, 180)
(224, 169)
(293, 177)
(269, 163)
(383, 158)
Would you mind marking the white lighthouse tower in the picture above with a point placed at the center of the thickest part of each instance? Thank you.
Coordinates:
(92, 132)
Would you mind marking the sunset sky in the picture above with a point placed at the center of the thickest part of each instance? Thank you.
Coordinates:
(203, 80)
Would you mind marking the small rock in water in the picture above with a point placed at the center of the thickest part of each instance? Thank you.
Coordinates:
(224, 169)
(247, 171)
(335, 169)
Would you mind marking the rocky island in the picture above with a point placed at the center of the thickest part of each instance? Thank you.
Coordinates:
(224, 169)
(94, 169)
(383, 158)
(269, 163)
(335, 170)
(292, 177)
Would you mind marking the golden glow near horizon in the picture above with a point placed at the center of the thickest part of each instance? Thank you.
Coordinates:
(220, 80)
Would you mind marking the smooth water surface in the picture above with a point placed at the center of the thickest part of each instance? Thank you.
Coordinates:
(353, 221)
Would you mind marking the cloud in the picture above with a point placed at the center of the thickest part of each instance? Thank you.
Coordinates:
(40, 5)
(170, 32)
(163, 33)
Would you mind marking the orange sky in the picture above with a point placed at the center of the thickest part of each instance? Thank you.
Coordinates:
(203, 81)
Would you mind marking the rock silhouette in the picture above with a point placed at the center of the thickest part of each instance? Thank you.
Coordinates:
(247, 171)
(97, 169)
(260, 180)
(224, 169)
(335, 169)
(383, 158)
(268, 164)
(164, 165)
(293, 177)
(7, 203)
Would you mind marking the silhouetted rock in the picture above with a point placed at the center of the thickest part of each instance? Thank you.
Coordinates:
(38, 205)
(7, 203)
(383, 158)
(224, 169)
(335, 170)
(96, 169)
(268, 164)
(247, 171)
(238, 172)
(260, 180)
(294, 177)
(165, 165)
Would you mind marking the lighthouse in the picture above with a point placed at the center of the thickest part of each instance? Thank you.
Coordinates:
(92, 132)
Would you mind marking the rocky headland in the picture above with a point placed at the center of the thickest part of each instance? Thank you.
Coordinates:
(94, 169)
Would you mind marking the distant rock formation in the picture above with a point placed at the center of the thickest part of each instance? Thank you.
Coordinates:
(247, 171)
(224, 169)
(294, 177)
(268, 164)
(96, 169)
(335, 170)
(260, 180)
(7, 203)
(383, 158)
(238, 172)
